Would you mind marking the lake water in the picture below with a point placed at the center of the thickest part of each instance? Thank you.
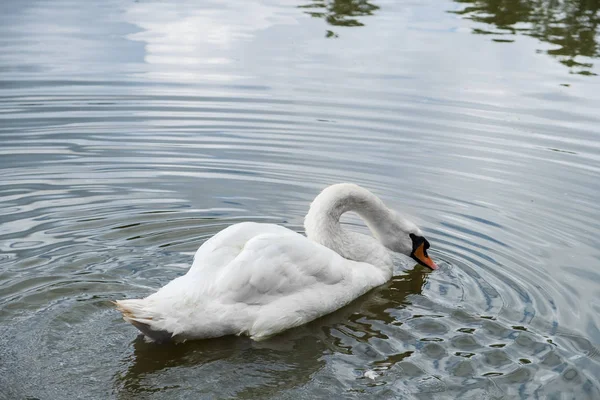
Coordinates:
(132, 131)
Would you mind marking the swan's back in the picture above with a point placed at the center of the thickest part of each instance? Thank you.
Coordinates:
(223, 247)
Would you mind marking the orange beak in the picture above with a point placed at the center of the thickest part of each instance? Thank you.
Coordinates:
(421, 257)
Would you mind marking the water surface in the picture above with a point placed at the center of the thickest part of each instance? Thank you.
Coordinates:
(132, 131)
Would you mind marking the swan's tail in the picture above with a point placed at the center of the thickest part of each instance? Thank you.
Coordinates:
(137, 313)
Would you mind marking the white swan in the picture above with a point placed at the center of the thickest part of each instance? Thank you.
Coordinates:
(261, 279)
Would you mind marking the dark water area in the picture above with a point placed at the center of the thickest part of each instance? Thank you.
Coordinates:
(132, 131)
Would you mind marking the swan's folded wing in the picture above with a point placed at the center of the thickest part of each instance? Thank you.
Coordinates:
(221, 249)
(271, 267)
(287, 281)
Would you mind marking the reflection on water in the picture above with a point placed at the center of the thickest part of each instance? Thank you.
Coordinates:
(571, 26)
(131, 132)
(192, 44)
(340, 12)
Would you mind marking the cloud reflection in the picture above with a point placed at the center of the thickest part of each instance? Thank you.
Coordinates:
(186, 42)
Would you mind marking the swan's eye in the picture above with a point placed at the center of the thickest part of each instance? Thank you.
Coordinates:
(419, 240)
(416, 240)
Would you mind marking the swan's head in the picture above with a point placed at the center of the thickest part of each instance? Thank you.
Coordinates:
(402, 236)
(322, 224)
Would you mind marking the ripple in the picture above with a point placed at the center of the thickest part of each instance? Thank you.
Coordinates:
(131, 133)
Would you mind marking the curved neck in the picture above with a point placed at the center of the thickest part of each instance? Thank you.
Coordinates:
(322, 223)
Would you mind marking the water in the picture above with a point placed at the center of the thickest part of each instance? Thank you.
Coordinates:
(132, 131)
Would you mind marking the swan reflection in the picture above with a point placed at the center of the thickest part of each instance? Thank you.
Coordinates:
(283, 362)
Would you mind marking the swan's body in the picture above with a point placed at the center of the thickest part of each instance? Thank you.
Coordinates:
(260, 279)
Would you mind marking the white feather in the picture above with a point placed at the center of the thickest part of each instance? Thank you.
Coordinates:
(260, 279)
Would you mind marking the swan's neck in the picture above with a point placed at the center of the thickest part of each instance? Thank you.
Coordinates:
(322, 223)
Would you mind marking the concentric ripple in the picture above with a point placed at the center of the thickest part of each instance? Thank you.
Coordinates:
(130, 132)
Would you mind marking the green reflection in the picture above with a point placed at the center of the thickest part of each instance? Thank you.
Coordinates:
(570, 25)
(340, 12)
